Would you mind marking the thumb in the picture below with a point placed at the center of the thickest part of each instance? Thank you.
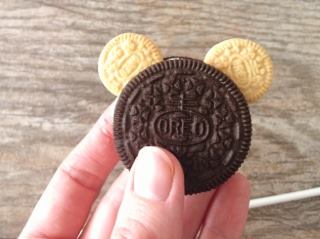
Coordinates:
(152, 206)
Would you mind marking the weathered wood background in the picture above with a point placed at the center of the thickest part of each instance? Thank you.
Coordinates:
(50, 94)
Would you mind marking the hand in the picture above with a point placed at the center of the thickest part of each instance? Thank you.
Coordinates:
(147, 202)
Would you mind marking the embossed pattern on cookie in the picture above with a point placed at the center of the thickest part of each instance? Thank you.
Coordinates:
(124, 57)
(192, 110)
(246, 63)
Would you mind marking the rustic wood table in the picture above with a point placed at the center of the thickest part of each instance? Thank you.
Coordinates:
(50, 94)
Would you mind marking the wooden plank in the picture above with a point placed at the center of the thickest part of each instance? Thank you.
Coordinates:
(50, 94)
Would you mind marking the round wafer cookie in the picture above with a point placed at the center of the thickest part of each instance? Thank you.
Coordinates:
(246, 62)
(124, 57)
(191, 109)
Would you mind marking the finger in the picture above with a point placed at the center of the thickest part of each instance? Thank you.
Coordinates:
(102, 222)
(195, 207)
(227, 215)
(65, 204)
(152, 206)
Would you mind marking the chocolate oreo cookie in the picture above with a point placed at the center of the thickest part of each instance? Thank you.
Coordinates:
(191, 109)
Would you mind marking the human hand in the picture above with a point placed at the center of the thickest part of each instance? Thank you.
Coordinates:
(147, 202)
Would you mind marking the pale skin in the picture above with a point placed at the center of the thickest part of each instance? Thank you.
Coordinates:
(147, 202)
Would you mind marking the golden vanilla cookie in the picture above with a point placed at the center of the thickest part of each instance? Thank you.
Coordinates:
(246, 63)
(124, 57)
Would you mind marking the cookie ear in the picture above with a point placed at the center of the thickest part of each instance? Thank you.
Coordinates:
(246, 63)
(123, 57)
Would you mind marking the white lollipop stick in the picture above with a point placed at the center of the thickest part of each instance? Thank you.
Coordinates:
(286, 197)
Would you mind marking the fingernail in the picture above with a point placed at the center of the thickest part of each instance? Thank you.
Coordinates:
(153, 174)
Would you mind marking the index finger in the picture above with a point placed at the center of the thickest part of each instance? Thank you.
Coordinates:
(65, 204)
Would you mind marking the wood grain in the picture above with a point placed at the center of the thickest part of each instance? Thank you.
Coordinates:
(50, 94)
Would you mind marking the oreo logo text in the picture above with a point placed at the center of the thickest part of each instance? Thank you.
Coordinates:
(181, 128)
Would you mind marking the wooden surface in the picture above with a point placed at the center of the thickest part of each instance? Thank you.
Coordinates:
(50, 94)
